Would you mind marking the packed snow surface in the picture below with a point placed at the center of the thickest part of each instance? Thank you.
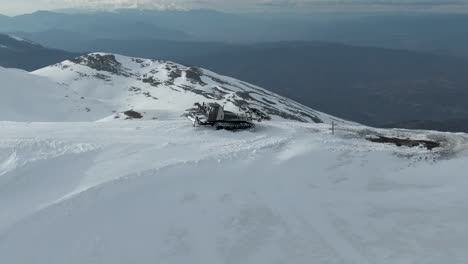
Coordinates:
(166, 192)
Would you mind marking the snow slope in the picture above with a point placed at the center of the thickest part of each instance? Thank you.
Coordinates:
(26, 97)
(167, 89)
(165, 192)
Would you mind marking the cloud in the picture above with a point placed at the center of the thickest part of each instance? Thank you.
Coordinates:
(154, 4)
(18, 6)
(283, 3)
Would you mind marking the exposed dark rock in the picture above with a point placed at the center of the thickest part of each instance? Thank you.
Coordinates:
(194, 75)
(255, 88)
(83, 75)
(99, 62)
(148, 94)
(219, 91)
(298, 116)
(226, 89)
(134, 89)
(218, 80)
(312, 117)
(103, 77)
(406, 142)
(131, 114)
(137, 60)
(268, 101)
(174, 74)
(151, 81)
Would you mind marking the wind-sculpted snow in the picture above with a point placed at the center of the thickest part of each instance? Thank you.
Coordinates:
(166, 192)
(124, 83)
(31, 166)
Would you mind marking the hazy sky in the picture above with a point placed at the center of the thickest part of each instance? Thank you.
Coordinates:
(12, 7)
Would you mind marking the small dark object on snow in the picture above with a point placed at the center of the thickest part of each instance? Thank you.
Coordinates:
(133, 114)
(213, 114)
(406, 142)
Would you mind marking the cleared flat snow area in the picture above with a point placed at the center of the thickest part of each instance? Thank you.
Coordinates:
(165, 192)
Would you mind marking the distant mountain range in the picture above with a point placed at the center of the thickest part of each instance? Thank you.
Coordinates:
(16, 52)
(435, 33)
(101, 25)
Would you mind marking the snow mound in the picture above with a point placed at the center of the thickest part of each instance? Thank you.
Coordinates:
(26, 97)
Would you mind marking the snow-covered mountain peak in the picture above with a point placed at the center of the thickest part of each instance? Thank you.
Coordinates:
(125, 83)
